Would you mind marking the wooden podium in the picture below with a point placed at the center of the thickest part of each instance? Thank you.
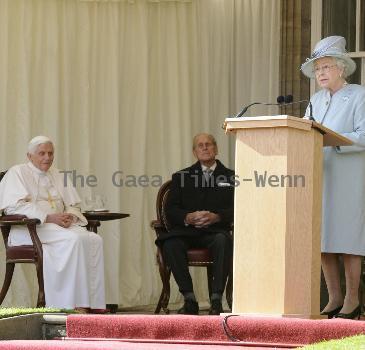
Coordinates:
(277, 220)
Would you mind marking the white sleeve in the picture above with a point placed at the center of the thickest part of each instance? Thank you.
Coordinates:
(24, 207)
(76, 212)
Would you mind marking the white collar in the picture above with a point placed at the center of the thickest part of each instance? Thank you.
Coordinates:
(212, 168)
(35, 169)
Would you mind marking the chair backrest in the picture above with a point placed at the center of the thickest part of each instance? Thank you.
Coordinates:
(22, 254)
(2, 173)
(9, 220)
(161, 201)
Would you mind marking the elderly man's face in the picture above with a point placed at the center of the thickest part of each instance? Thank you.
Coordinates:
(204, 150)
(43, 156)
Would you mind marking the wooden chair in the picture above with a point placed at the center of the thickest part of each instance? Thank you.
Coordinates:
(196, 256)
(26, 253)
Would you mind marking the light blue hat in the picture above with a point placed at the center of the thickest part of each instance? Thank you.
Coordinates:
(332, 46)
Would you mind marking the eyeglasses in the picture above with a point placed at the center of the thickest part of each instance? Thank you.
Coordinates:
(325, 69)
(204, 145)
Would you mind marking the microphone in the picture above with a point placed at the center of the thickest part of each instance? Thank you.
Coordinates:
(284, 99)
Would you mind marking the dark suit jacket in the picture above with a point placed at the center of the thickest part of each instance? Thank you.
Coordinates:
(190, 192)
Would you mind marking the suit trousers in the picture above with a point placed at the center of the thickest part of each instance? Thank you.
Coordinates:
(220, 248)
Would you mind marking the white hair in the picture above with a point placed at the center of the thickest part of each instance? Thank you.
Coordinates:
(342, 65)
(36, 141)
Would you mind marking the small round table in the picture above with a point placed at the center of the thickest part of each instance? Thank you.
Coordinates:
(102, 216)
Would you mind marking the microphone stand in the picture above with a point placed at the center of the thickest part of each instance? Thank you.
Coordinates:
(244, 110)
(310, 117)
(284, 101)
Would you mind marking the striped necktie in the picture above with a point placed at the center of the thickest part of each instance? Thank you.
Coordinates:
(207, 173)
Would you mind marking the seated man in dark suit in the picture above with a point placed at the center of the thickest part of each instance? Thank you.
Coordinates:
(200, 211)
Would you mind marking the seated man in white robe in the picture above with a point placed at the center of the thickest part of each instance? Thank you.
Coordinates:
(73, 261)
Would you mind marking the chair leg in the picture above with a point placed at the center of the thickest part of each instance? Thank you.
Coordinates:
(362, 287)
(165, 273)
(41, 301)
(165, 293)
(210, 278)
(159, 304)
(229, 286)
(166, 297)
(7, 280)
(229, 290)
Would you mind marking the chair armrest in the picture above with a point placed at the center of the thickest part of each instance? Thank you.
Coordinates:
(159, 228)
(6, 221)
(17, 220)
(156, 224)
(13, 217)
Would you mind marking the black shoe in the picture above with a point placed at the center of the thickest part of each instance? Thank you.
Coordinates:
(216, 307)
(190, 307)
(356, 313)
(332, 313)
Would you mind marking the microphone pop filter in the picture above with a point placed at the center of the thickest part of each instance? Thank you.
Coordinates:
(280, 99)
(288, 98)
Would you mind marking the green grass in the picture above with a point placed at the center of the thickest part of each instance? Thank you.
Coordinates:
(351, 343)
(17, 311)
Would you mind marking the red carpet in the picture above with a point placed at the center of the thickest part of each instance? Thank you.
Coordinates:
(210, 328)
(146, 332)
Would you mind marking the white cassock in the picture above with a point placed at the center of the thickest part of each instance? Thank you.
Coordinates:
(73, 261)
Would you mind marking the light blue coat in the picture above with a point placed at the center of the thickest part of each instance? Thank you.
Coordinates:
(343, 220)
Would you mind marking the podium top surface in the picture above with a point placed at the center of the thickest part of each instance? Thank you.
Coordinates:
(330, 138)
(267, 122)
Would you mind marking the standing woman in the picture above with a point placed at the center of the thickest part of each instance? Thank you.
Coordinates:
(341, 107)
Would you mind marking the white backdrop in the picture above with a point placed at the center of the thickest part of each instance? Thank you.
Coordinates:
(123, 86)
